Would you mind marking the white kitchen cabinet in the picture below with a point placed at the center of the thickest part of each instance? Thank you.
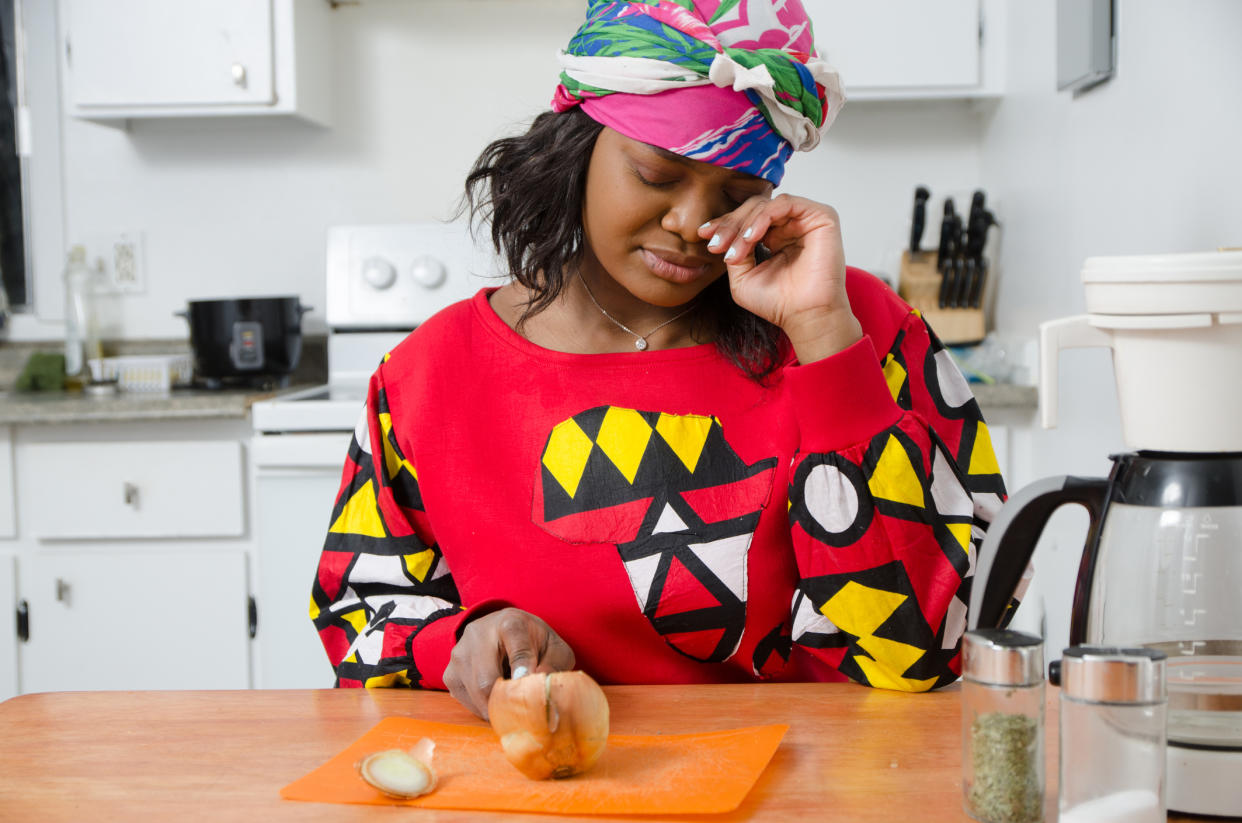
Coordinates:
(128, 59)
(133, 556)
(135, 489)
(8, 515)
(910, 49)
(129, 620)
(9, 621)
(289, 529)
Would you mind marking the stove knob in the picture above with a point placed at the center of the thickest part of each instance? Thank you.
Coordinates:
(428, 271)
(379, 273)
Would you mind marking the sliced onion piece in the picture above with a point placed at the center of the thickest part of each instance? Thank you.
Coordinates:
(401, 774)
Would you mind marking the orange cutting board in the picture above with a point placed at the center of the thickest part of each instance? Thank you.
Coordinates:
(702, 773)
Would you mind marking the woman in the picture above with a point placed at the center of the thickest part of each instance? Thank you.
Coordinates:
(685, 443)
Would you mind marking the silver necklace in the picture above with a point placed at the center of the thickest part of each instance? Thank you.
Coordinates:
(640, 340)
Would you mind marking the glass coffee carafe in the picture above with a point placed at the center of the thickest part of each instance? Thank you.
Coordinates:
(1162, 563)
(1162, 568)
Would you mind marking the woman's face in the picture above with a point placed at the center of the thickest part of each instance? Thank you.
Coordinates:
(642, 212)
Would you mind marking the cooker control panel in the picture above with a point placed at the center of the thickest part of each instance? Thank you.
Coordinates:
(395, 276)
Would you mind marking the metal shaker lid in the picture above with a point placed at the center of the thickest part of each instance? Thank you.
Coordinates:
(1108, 674)
(1003, 657)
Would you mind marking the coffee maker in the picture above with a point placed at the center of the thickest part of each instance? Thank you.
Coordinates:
(1162, 562)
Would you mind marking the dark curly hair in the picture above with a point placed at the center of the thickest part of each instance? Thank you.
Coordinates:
(530, 189)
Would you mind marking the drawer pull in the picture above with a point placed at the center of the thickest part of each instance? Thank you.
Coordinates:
(131, 495)
(63, 590)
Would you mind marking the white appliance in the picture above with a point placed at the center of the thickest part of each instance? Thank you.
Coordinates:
(1162, 562)
(382, 281)
(1174, 324)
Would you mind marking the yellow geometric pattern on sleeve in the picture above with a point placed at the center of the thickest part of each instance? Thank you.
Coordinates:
(982, 455)
(894, 477)
(419, 563)
(894, 374)
(361, 514)
(861, 610)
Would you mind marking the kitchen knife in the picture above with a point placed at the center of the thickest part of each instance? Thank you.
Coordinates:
(976, 286)
(982, 221)
(964, 284)
(944, 257)
(976, 227)
(918, 220)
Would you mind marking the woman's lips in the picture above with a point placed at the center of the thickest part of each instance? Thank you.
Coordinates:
(675, 267)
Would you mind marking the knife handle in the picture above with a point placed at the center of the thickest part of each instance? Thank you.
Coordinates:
(976, 286)
(965, 270)
(946, 282)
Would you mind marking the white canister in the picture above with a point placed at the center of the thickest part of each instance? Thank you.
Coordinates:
(1174, 325)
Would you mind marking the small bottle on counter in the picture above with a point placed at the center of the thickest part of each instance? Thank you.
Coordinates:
(1003, 726)
(1113, 735)
(82, 337)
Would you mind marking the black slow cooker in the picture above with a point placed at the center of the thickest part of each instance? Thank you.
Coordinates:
(245, 339)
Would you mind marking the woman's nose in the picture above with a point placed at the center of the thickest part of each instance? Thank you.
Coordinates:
(689, 211)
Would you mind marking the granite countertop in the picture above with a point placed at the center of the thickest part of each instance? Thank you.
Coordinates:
(179, 404)
(188, 404)
(1005, 395)
(59, 407)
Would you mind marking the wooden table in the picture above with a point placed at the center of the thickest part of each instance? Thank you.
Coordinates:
(851, 753)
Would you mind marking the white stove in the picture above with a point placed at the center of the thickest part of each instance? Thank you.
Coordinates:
(382, 281)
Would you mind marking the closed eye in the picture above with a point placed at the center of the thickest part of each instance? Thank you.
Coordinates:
(655, 184)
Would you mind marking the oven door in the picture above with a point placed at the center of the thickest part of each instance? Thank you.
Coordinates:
(295, 482)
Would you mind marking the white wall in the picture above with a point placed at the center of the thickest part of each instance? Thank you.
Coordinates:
(1149, 162)
(235, 207)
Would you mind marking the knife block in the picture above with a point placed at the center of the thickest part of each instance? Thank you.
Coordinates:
(919, 285)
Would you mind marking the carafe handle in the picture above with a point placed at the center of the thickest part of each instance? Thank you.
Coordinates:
(1010, 541)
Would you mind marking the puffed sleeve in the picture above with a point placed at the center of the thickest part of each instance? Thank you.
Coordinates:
(383, 600)
(892, 488)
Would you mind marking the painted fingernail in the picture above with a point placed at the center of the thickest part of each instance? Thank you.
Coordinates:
(520, 671)
(746, 234)
(730, 254)
(705, 225)
(715, 241)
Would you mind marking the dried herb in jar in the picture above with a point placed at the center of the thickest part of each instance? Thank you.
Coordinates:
(1006, 786)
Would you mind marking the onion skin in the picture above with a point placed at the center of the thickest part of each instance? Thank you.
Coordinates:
(550, 725)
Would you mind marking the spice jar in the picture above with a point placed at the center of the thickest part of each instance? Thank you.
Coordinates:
(1003, 726)
(1113, 738)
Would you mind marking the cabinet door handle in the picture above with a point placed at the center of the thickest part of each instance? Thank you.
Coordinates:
(131, 495)
(252, 617)
(63, 590)
(239, 75)
(23, 621)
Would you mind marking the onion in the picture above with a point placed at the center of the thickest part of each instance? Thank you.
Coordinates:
(401, 774)
(550, 725)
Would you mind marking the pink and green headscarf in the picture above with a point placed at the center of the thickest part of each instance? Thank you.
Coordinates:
(735, 83)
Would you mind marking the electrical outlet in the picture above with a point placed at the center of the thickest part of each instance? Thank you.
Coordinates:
(120, 255)
(126, 263)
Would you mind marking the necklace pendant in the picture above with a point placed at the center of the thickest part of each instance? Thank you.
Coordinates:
(641, 344)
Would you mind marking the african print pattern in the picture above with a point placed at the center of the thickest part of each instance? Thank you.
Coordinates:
(874, 601)
(381, 577)
(762, 52)
(679, 505)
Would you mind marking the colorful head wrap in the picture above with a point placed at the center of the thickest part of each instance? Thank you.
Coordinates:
(736, 83)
